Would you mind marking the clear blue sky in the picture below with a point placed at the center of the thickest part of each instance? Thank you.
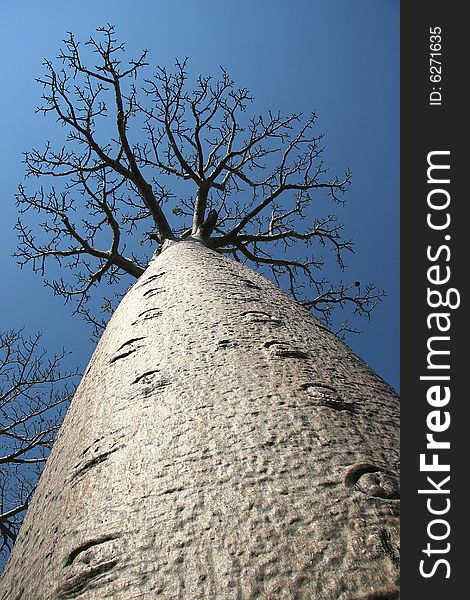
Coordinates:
(338, 57)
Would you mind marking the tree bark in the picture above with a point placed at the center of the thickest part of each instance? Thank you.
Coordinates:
(222, 444)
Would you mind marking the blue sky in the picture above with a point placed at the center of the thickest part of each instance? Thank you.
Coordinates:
(337, 57)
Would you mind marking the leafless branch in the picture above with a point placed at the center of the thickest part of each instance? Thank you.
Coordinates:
(34, 392)
(256, 179)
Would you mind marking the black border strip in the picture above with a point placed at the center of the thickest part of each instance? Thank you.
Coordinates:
(429, 128)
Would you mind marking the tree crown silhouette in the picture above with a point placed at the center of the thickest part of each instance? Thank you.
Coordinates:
(129, 138)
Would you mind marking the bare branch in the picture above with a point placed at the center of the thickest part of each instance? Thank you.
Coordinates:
(34, 392)
(255, 183)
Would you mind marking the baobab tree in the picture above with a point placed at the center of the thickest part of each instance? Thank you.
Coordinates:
(34, 390)
(223, 442)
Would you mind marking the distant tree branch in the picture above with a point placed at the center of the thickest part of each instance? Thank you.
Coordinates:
(34, 390)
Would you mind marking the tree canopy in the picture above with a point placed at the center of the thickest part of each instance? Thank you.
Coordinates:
(131, 138)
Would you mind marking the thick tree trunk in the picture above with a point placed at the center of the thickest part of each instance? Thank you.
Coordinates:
(222, 444)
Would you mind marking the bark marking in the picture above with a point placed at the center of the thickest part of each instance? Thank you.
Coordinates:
(151, 278)
(283, 349)
(152, 292)
(388, 546)
(78, 584)
(93, 462)
(372, 481)
(150, 313)
(95, 542)
(127, 352)
(147, 378)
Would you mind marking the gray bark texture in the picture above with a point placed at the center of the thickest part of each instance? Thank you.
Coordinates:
(222, 444)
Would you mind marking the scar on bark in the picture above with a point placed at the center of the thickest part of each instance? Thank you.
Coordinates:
(320, 386)
(226, 344)
(372, 481)
(94, 542)
(283, 349)
(388, 546)
(147, 377)
(247, 282)
(127, 352)
(150, 279)
(172, 490)
(338, 405)
(130, 342)
(94, 442)
(78, 584)
(259, 316)
(150, 313)
(152, 292)
(96, 460)
(250, 284)
(116, 433)
(115, 358)
(327, 396)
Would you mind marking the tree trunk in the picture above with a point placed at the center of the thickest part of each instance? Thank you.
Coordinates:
(222, 444)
